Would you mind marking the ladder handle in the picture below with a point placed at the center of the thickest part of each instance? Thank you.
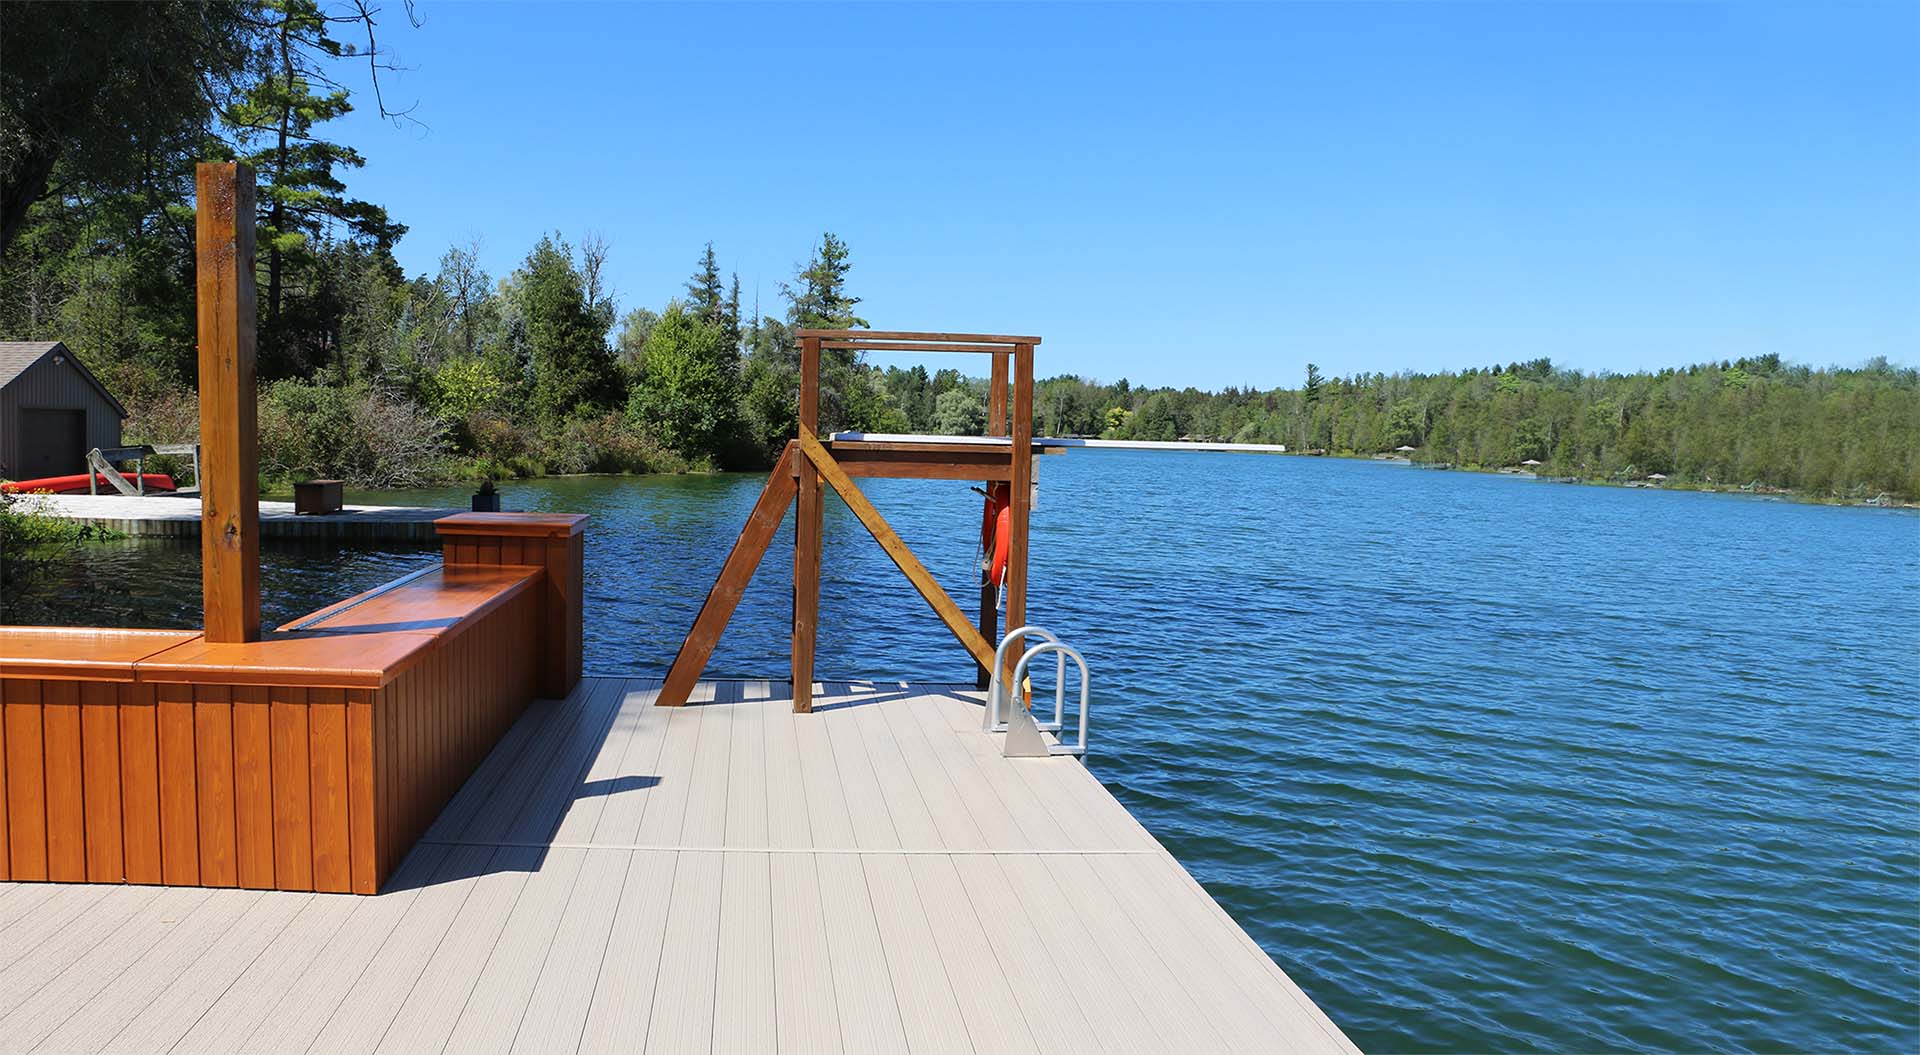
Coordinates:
(1086, 681)
(992, 720)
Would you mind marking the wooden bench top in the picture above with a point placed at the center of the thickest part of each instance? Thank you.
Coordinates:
(87, 653)
(363, 642)
(522, 525)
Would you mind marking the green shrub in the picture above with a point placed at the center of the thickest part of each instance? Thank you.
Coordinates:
(364, 436)
(607, 443)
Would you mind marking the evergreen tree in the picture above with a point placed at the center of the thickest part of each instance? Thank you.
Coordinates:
(302, 201)
(703, 289)
(734, 336)
(819, 298)
(573, 369)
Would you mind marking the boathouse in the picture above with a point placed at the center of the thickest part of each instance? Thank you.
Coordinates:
(52, 411)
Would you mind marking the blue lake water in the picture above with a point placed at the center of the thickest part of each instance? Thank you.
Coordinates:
(1486, 764)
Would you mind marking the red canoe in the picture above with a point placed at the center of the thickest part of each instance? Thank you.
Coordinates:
(77, 484)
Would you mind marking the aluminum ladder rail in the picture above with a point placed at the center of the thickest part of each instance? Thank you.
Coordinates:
(992, 722)
(1024, 739)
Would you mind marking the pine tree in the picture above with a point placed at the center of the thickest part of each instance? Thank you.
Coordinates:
(821, 300)
(734, 336)
(302, 201)
(703, 289)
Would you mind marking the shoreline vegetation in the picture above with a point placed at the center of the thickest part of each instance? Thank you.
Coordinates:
(386, 379)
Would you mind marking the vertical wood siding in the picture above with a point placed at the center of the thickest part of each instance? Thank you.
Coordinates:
(266, 787)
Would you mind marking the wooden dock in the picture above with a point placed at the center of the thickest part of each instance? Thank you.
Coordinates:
(164, 516)
(725, 876)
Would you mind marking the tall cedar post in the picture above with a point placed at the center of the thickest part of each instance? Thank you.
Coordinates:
(806, 534)
(1020, 501)
(990, 593)
(229, 438)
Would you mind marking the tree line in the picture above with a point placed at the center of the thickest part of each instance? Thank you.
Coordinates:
(384, 378)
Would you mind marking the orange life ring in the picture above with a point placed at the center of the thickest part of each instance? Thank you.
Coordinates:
(1003, 529)
(990, 515)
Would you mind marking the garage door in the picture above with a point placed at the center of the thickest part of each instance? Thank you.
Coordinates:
(52, 443)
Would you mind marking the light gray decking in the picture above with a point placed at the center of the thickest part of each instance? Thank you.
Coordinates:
(727, 876)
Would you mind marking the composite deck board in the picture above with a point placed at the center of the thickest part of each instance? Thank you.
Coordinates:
(48, 917)
(491, 1014)
(561, 996)
(447, 981)
(743, 977)
(683, 996)
(621, 1011)
(929, 1010)
(806, 1014)
(45, 961)
(224, 1025)
(724, 876)
(52, 1003)
(107, 1013)
(327, 975)
(174, 1009)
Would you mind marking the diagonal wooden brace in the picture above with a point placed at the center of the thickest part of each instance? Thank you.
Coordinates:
(896, 548)
(752, 545)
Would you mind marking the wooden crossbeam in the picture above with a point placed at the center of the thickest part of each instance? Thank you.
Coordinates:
(752, 545)
(911, 335)
(896, 548)
(915, 346)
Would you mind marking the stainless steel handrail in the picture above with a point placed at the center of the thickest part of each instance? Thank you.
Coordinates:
(1026, 741)
(992, 722)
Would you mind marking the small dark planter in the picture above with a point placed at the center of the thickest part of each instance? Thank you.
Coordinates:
(317, 497)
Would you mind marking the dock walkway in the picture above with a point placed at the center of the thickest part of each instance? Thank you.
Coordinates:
(727, 876)
(168, 516)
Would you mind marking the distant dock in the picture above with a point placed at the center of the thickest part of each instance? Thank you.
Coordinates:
(1050, 444)
(163, 516)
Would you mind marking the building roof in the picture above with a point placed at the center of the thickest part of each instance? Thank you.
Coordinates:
(16, 357)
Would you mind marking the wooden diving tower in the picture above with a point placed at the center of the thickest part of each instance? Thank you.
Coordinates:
(808, 463)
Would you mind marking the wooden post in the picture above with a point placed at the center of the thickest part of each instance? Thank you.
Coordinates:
(806, 534)
(229, 436)
(1020, 500)
(997, 396)
(990, 593)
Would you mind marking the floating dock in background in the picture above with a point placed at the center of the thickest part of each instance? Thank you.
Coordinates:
(167, 516)
(725, 876)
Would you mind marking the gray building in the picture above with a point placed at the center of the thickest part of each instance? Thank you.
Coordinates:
(52, 411)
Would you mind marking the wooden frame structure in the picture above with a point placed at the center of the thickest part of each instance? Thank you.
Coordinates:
(809, 463)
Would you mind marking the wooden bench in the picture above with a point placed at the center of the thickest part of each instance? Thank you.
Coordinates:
(308, 760)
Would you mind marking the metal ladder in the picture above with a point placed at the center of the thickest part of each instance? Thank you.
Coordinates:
(1024, 739)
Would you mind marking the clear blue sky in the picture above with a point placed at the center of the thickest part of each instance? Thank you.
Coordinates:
(1205, 195)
